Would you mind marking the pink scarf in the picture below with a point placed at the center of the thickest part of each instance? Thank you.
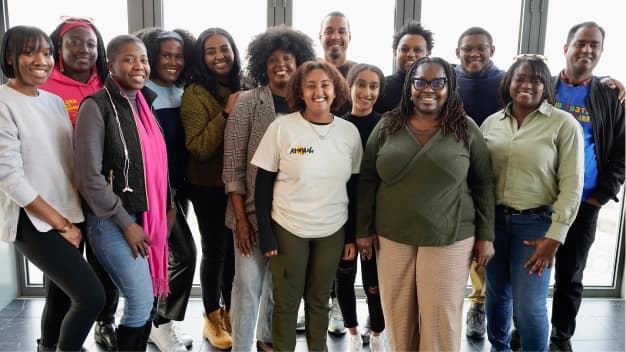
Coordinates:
(155, 170)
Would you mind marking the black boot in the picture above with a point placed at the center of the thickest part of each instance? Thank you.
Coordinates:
(104, 335)
(131, 339)
(146, 334)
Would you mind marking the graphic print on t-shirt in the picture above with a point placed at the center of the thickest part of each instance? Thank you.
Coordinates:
(300, 150)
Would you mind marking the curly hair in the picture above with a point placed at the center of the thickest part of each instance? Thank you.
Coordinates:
(294, 95)
(201, 73)
(540, 70)
(153, 37)
(276, 38)
(452, 115)
(415, 28)
(101, 62)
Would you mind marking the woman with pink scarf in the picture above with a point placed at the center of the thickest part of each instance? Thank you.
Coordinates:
(121, 168)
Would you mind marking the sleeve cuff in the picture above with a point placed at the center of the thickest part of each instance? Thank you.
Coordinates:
(122, 219)
(235, 187)
(557, 232)
(24, 194)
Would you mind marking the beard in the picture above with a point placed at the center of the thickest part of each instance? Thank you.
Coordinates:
(335, 55)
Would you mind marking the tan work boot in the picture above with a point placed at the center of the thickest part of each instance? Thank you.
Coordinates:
(215, 332)
(226, 319)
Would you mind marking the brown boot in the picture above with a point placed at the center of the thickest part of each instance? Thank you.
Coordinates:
(226, 319)
(215, 332)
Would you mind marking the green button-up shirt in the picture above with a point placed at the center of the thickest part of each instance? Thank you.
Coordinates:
(538, 163)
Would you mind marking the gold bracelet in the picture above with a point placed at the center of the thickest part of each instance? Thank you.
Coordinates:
(66, 227)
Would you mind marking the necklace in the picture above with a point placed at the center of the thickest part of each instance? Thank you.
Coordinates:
(319, 135)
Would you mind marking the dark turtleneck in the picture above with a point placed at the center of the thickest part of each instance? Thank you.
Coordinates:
(392, 94)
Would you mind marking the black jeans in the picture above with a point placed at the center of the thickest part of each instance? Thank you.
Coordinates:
(571, 259)
(181, 265)
(217, 267)
(344, 280)
(70, 279)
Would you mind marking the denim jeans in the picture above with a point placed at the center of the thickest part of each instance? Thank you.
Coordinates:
(510, 290)
(251, 296)
(130, 275)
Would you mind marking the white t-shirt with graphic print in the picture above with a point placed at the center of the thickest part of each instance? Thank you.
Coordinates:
(313, 165)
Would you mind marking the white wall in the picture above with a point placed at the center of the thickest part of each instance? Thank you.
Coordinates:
(8, 276)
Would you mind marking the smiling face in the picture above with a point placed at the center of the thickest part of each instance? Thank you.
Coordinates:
(170, 64)
(410, 48)
(583, 52)
(280, 65)
(335, 37)
(79, 50)
(429, 101)
(318, 93)
(218, 56)
(474, 54)
(130, 67)
(526, 88)
(33, 68)
(364, 92)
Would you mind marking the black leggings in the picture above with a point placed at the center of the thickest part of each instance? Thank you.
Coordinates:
(346, 273)
(217, 267)
(64, 266)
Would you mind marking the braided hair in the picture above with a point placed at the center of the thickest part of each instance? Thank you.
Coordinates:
(452, 115)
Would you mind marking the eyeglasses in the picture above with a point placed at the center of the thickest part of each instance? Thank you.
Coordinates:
(533, 56)
(75, 19)
(479, 48)
(435, 84)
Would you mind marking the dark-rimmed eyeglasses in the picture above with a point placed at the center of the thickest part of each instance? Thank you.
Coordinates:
(435, 84)
(479, 48)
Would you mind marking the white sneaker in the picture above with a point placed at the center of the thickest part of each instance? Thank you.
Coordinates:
(165, 339)
(300, 323)
(356, 343)
(184, 338)
(377, 344)
(335, 320)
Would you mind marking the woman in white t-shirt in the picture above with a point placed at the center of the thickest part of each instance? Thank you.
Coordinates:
(307, 162)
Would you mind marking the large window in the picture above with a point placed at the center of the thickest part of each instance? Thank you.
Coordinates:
(241, 18)
(563, 14)
(371, 25)
(110, 17)
(447, 20)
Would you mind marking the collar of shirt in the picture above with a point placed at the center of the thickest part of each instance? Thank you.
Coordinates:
(565, 80)
(544, 109)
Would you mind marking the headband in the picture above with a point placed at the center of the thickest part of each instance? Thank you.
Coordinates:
(170, 35)
(75, 23)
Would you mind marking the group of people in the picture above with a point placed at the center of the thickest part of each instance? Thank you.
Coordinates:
(294, 170)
